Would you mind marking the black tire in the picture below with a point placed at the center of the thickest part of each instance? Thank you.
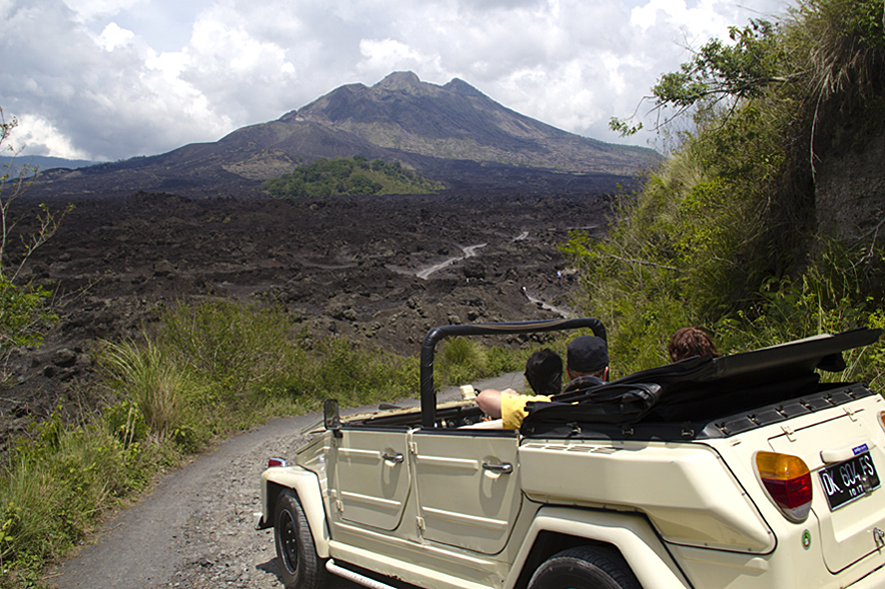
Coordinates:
(299, 564)
(585, 567)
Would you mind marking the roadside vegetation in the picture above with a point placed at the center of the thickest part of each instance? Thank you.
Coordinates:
(207, 370)
(354, 176)
(723, 234)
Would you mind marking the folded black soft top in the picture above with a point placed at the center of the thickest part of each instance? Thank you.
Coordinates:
(703, 388)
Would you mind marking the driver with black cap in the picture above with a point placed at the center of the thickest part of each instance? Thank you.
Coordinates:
(586, 363)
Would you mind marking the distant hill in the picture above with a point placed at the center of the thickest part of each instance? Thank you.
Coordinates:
(453, 134)
(41, 162)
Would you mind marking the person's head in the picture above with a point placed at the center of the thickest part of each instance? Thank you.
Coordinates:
(688, 342)
(587, 356)
(543, 370)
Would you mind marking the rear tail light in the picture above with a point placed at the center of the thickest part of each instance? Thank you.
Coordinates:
(882, 419)
(787, 480)
(272, 462)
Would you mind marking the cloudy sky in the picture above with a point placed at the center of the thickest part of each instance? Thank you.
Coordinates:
(112, 79)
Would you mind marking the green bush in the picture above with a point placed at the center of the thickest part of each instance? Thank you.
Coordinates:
(358, 375)
(24, 314)
(462, 360)
(354, 176)
(234, 346)
(152, 382)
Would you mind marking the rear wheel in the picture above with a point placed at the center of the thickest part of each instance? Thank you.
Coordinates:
(585, 567)
(299, 564)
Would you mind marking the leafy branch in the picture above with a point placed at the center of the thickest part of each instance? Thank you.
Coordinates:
(22, 311)
(719, 71)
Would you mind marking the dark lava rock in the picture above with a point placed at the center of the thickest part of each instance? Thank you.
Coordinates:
(346, 266)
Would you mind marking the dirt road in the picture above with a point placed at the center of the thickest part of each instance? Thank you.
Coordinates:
(197, 528)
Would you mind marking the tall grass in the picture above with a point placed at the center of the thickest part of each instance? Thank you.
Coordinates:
(238, 347)
(54, 488)
(158, 387)
(206, 369)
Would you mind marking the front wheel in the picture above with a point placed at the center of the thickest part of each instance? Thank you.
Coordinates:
(300, 566)
(585, 567)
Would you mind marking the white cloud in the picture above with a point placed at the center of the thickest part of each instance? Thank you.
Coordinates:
(113, 36)
(386, 51)
(382, 56)
(39, 137)
(117, 78)
(91, 9)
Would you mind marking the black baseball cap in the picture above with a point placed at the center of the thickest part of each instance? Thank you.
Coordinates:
(587, 354)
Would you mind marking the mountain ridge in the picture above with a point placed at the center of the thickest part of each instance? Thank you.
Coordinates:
(452, 133)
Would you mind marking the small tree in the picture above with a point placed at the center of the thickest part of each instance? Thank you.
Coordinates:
(22, 306)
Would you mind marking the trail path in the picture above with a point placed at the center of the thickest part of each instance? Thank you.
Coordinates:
(197, 528)
(469, 252)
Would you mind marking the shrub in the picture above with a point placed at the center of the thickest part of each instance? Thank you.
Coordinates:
(235, 346)
(354, 176)
(57, 483)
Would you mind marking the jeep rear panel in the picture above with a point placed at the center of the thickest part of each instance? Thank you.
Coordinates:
(686, 490)
(845, 455)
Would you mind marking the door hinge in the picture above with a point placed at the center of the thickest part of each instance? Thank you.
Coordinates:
(421, 525)
(791, 435)
(340, 505)
(850, 412)
(413, 447)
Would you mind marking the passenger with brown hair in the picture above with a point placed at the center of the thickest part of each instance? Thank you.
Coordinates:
(688, 342)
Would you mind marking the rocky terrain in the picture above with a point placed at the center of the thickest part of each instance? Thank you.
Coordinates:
(382, 270)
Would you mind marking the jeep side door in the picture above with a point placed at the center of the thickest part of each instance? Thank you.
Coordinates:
(369, 478)
(467, 486)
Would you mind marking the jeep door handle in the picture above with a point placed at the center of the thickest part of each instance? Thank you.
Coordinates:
(392, 457)
(502, 468)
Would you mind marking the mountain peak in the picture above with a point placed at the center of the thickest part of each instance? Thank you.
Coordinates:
(399, 81)
(459, 86)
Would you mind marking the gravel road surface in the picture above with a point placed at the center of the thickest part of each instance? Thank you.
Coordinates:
(197, 528)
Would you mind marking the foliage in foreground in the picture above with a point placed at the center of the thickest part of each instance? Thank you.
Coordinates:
(23, 312)
(354, 176)
(210, 368)
(723, 233)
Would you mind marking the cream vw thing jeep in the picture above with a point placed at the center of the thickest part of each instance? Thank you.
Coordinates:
(743, 471)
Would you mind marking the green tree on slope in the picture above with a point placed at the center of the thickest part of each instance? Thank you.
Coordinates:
(724, 232)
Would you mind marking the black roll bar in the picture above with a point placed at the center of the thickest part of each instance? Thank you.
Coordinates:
(428, 395)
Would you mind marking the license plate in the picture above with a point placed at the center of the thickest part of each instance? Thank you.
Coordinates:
(849, 480)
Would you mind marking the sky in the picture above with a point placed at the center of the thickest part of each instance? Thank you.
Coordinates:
(106, 80)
